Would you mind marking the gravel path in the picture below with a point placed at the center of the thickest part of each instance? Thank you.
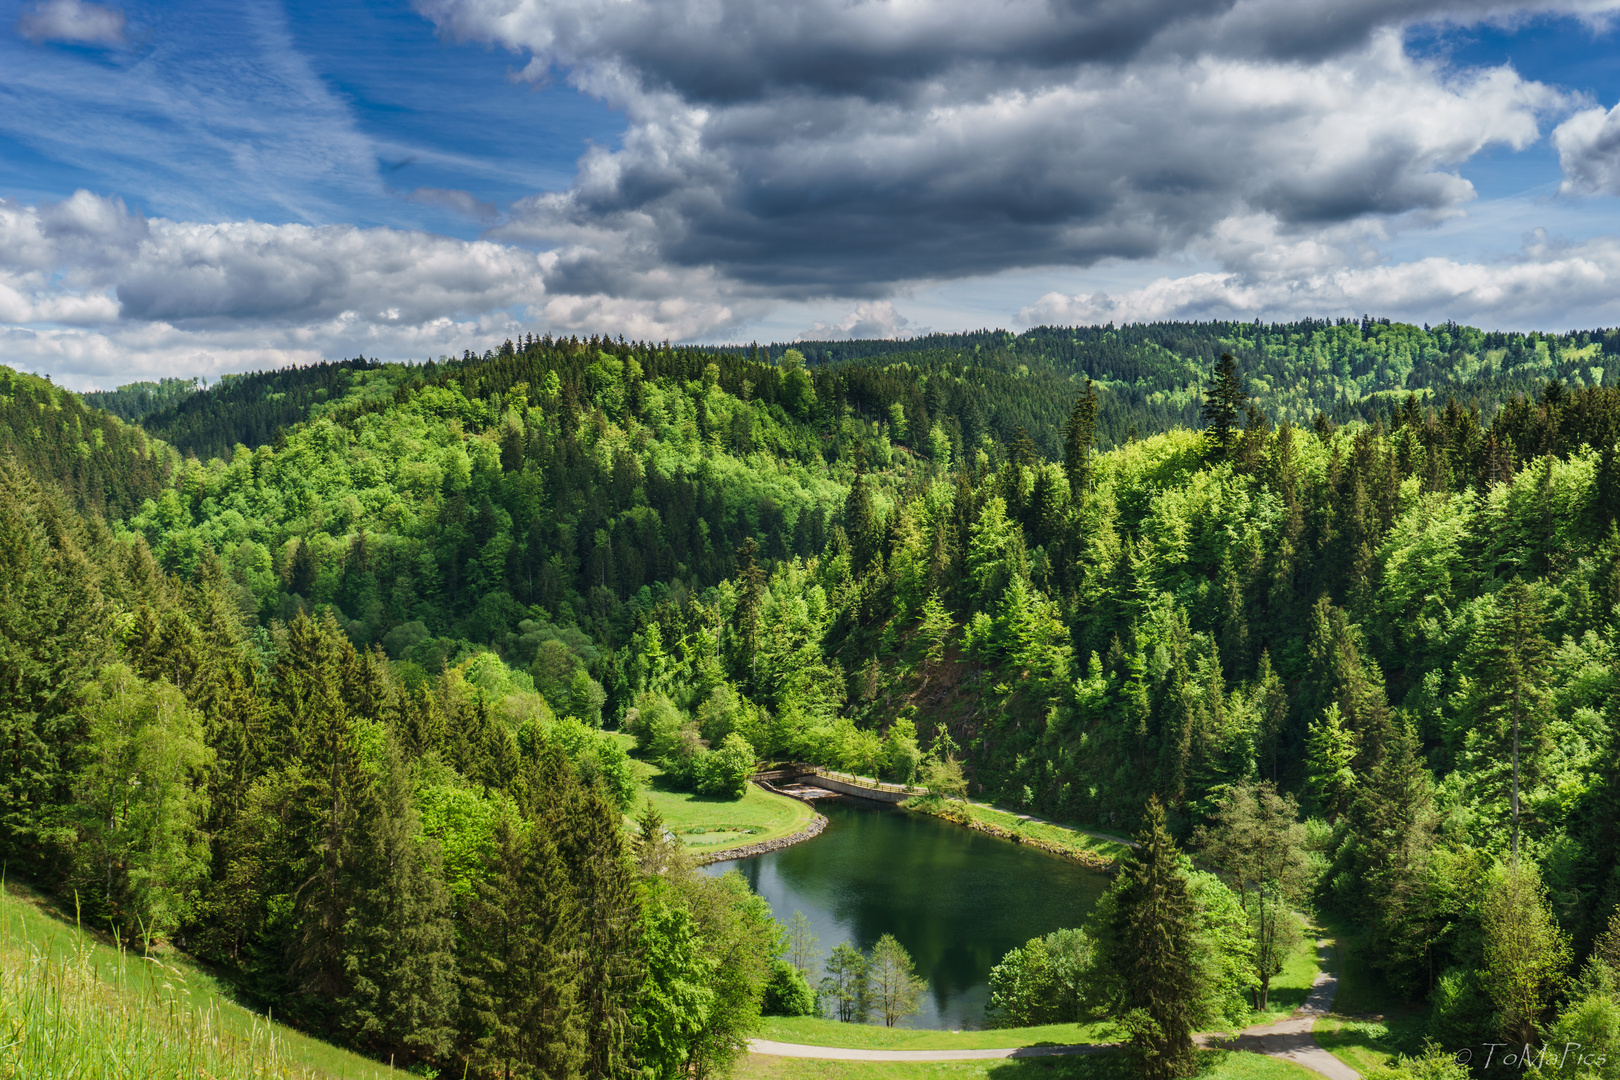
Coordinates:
(1291, 1039)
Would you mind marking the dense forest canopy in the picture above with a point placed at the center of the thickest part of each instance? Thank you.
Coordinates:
(1370, 565)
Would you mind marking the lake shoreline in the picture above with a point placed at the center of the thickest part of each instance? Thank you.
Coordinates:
(809, 832)
(959, 813)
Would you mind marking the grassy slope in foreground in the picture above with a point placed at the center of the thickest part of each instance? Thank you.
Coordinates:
(1214, 1065)
(706, 824)
(72, 1006)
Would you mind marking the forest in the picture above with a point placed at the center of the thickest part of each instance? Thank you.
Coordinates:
(1329, 605)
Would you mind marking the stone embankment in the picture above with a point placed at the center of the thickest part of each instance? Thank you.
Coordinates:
(811, 830)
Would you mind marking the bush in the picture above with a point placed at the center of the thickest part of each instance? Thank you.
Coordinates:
(1043, 981)
(786, 992)
(1435, 1063)
(725, 771)
(1460, 1011)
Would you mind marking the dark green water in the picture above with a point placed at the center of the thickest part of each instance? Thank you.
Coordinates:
(956, 899)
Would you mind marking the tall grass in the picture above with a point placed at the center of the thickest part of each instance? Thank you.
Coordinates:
(71, 1009)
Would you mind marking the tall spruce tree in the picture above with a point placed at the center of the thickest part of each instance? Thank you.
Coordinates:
(1510, 702)
(1079, 435)
(611, 969)
(1150, 947)
(1224, 399)
(401, 939)
(521, 972)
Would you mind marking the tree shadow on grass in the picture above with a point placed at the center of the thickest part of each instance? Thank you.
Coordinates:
(663, 783)
(1109, 1066)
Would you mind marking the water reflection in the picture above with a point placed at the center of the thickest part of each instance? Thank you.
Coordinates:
(956, 899)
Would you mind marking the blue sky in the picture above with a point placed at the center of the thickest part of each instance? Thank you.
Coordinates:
(194, 187)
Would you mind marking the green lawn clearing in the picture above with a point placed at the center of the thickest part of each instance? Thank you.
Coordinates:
(73, 1005)
(815, 1031)
(705, 824)
(1214, 1065)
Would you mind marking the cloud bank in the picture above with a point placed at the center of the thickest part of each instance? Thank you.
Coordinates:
(841, 153)
(829, 148)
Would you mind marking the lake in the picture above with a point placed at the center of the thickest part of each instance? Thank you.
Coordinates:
(955, 898)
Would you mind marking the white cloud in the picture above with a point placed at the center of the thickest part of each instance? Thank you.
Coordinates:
(72, 21)
(96, 293)
(876, 319)
(1588, 146)
(1545, 286)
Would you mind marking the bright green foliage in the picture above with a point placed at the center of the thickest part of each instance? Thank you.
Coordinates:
(677, 997)
(1435, 1063)
(846, 988)
(1047, 980)
(1526, 954)
(1330, 750)
(137, 845)
(546, 538)
(1255, 835)
(725, 770)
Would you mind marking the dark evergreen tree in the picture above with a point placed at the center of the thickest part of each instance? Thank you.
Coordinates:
(1152, 953)
(1509, 704)
(1079, 435)
(400, 941)
(521, 975)
(1224, 399)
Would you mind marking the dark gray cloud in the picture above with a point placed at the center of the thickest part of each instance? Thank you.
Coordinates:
(829, 148)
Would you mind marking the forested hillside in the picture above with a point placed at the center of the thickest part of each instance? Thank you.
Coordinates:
(396, 626)
(1148, 376)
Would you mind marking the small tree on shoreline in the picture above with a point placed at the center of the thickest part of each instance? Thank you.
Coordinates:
(896, 991)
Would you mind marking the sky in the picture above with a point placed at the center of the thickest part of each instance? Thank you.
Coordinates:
(195, 187)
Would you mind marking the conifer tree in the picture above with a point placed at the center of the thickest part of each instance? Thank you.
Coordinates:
(860, 523)
(593, 851)
(1150, 947)
(521, 976)
(400, 944)
(1510, 702)
(1079, 435)
(1223, 404)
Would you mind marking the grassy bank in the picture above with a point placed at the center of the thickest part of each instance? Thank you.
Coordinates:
(705, 824)
(1214, 1065)
(813, 1031)
(75, 1006)
(1089, 847)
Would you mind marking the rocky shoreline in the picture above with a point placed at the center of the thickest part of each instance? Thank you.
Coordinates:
(811, 830)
